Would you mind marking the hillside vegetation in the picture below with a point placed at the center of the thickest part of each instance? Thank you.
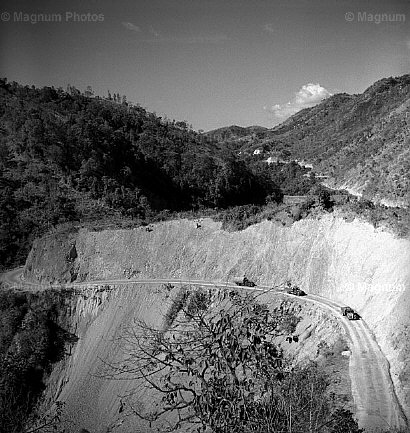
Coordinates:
(236, 134)
(361, 141)
(31, 341)
(67, 155)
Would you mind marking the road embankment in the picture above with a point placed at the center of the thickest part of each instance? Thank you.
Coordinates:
(348, 263)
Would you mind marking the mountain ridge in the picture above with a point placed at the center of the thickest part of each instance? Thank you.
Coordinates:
(361, 141)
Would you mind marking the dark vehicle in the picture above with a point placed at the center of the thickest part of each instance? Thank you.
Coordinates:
(295, 290)
(349, 313)
(244, 282)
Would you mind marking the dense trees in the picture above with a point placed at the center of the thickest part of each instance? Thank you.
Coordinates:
(289, 179)
(31, 339)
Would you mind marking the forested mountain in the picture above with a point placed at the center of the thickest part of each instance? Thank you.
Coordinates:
(66, 155)
(71, 156)
(236, 133)
(362, 141)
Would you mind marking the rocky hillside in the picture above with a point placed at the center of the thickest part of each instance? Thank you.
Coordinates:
(362, 141)
(351, 263)
(100, 315)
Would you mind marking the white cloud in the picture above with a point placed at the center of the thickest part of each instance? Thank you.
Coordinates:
(131, 26)
(308, 95)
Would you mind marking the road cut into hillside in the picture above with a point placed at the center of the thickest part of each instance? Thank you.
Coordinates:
(372, 388)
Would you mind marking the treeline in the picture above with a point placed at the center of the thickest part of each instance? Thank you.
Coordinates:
(66, 155)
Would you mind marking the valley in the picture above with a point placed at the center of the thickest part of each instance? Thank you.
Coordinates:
(113, 217)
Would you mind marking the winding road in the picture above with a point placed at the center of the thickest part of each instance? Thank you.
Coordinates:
(377, 406)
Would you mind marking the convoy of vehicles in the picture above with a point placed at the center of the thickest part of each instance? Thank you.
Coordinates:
(292, 289)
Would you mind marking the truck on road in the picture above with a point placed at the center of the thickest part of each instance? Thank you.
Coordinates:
(349, 313)
(293, 289)
(243, 281)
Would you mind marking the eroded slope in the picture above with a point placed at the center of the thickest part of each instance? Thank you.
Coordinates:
(347, 262)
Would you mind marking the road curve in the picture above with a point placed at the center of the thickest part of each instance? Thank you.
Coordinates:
(377, 406)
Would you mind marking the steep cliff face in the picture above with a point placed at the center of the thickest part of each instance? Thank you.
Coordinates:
(101, 317)
(347, 262)
(51, 259)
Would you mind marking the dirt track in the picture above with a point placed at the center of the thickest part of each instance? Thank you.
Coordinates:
(376, 403)
(373, 392)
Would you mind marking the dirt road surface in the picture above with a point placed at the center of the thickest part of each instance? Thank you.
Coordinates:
(377, 406)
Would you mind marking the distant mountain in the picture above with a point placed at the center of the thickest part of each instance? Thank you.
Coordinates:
(235, 133)
(361, 141)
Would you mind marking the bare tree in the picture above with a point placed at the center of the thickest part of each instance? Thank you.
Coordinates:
(214, 365)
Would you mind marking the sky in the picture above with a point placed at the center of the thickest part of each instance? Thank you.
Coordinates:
(212, 63)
